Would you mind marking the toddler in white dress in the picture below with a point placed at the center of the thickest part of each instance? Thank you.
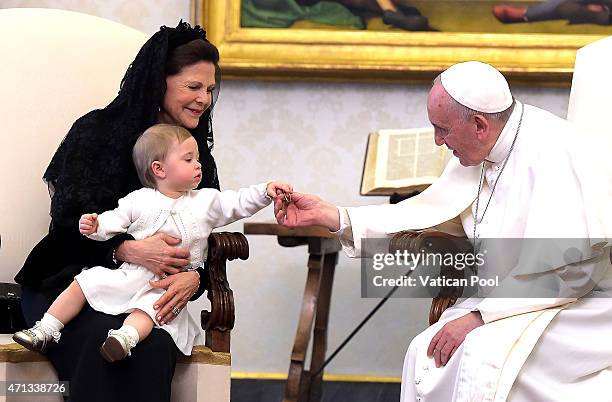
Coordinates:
(166, 159)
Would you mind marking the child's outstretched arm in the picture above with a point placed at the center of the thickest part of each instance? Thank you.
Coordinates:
(88, 224)
(229, 206)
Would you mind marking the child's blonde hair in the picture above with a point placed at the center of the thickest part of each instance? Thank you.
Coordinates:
(153, 145)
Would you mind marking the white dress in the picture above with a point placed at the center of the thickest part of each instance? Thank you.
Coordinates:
(145, 212)
(530, 349)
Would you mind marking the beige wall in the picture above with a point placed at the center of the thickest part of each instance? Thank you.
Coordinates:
(314, 136)
(144, 15)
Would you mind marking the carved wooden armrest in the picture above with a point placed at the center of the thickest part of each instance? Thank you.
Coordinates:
(219, 321)
(435, 242)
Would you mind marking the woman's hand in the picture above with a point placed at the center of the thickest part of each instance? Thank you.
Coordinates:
(156, 253)
(180, 287)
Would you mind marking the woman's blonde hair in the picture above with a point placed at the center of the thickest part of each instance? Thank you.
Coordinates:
(153, 145)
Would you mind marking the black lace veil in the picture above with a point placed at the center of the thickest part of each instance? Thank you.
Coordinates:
(92, 167)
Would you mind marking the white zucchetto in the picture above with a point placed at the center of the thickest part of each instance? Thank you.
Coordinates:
(478, 86)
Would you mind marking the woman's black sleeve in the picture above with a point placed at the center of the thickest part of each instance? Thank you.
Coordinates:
(204, 283)
(103, 251)
(100, 253)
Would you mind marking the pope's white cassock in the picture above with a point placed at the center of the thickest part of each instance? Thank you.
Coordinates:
(530, 349)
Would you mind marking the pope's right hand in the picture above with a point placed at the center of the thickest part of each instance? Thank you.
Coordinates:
(157, 253)
(306, 210)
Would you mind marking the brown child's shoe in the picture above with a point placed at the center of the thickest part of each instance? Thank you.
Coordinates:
(117, 346)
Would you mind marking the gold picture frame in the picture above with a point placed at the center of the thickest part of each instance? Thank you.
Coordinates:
(341, 55)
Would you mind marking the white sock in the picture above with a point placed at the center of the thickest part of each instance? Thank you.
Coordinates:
(51, 322)
(131, 332)
(51, 326)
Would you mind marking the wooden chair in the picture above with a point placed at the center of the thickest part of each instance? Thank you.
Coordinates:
(434, 241)
(58, 65)
(203, 376)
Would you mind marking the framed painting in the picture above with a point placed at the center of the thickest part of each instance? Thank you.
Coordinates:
(400, 40)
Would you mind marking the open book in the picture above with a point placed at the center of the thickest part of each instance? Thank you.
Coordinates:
(402, 161)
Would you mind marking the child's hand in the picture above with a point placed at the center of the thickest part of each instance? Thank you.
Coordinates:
(278, 189)
(88, 224)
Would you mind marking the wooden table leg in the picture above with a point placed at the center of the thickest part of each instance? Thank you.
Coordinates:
(301, 387)
(297, 378)
(323, 248)
(319, 344)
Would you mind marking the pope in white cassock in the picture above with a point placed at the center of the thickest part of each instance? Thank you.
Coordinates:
(518, 172)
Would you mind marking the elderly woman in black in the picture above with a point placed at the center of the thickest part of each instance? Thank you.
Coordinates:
(173, 79)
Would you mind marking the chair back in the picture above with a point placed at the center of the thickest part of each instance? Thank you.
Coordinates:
(56, 66)
(590, 101)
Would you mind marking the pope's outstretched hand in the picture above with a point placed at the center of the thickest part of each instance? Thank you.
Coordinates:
(301, 211)
(306, 210)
